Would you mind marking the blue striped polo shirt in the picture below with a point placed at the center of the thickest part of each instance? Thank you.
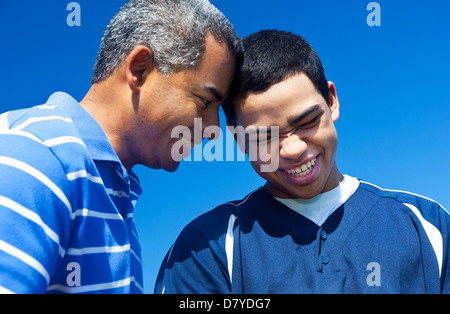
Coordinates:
(66, 205)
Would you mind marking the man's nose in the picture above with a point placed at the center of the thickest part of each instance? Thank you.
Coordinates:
(292, 147)
(211, 125)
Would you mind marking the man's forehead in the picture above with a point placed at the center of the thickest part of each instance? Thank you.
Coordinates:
(216, 69)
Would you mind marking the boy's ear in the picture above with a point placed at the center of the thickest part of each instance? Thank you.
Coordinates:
(138, 65)
(333, 102)
(240, 141)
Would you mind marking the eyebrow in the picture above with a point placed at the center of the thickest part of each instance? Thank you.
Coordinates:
(292, 121)
(213, 91)
(304, 114)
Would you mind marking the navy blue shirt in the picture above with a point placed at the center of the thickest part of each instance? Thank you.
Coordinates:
(378, 241)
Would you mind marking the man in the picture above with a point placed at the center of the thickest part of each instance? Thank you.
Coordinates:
(67, 190)
(310, 229)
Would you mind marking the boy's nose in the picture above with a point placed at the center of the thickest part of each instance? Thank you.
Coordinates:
(292, 147)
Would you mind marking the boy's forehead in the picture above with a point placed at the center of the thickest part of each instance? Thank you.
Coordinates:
(275, 105)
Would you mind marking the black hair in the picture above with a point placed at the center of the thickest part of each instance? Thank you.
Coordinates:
(271, 56)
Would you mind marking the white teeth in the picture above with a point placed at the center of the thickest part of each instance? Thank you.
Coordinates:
(303, 170)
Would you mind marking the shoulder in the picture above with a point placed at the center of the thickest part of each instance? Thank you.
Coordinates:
(201, 253)
(39, 148)
(209, 230)
(216, 222)
(45, 124)
(431, 217)
(43, 134)
(27, 158)
(421, 206)
(28, 150)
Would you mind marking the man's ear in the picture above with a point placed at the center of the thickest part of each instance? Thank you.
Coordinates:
(138, 65)
(333, 102)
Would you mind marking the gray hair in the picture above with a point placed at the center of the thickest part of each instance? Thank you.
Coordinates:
(175, 31)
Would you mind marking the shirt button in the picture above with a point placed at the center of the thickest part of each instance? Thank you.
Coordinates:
(323, 235)
(324, 259)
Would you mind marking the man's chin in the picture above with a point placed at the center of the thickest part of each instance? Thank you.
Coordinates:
(172, 166)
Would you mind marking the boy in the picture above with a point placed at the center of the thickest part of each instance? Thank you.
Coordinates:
(310, 229)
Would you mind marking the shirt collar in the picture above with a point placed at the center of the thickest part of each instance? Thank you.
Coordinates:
(90, 131)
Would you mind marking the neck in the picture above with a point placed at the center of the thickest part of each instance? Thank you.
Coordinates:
(105, 104)
(334, 179)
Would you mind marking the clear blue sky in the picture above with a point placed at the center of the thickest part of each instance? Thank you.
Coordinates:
(392, 82)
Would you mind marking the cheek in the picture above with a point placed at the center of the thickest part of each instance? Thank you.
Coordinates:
(329, 145)
(332, 138)
(265, 159)
(259, 167)
(326, 137)
(174, 113)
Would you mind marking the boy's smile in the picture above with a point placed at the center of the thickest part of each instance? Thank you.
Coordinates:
(302, 173)
(307, 139)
